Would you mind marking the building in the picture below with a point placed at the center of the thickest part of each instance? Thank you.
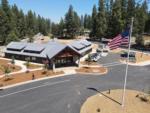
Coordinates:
(57, 54)
(146, 40)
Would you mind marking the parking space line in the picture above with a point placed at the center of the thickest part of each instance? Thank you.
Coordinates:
(50, 84)
(111, 63)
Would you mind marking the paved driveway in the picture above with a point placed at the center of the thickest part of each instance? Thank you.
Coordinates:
(67, 94)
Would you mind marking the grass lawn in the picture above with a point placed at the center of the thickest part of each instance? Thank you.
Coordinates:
(22, 77)
(7, 63)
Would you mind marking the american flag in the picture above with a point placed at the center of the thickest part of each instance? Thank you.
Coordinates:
(121, 39)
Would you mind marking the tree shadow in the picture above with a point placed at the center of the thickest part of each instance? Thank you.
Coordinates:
(94, 89)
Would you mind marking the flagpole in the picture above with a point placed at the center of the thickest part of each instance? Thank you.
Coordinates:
(127, 64)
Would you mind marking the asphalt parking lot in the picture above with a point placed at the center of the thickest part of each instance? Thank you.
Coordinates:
(67, 94)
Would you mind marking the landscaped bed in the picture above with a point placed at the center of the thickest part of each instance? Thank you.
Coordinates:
(96, 70)
(33, 66)
(88, 63)
(22, 77)
(110, 102)
(141, 57)
(7, 64)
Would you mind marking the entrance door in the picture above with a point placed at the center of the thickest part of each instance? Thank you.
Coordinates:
(64, 61)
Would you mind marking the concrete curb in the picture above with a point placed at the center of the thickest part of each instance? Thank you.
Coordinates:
(46, 78)
(32, 81)
(146, 63)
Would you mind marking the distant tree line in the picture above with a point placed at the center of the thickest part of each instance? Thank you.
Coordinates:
(71, 25)
(110, 18)
(15, 25)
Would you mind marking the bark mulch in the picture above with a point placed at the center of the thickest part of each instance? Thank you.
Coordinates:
(22, 77)
(97, 70)
(7, 63)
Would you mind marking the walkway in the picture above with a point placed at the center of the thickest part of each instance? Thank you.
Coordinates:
(23, 67)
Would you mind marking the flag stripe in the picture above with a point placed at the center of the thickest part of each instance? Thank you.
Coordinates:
(121, 39)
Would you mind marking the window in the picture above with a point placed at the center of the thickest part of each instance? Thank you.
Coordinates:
(33, 58)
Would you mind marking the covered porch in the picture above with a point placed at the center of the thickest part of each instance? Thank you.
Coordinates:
(67, 57)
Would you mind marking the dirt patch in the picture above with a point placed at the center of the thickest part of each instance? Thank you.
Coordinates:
(97, 70)
(88, 63)
(7, 63)
(110, 103)
(141, 57)
(22, 77)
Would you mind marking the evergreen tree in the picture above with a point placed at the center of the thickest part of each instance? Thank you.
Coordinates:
(117, 22)
(70, 24)
(109, 32)
(101, 20)
(76, 21)
(147, 26)
(94, 24)
(82, 21)
(130, 9)
(22, 25)
(54, 29)
(87, 22)
(30, 24)
(11, 37)
(48, 25)
(140, 18)
(6, 22)
(124, 12)
(61, 28)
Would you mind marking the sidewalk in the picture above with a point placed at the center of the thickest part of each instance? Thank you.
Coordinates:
(67, 70)
(23, 67)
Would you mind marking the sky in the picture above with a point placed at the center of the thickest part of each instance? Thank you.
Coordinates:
(55, 9)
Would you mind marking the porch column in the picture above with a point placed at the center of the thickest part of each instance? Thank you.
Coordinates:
(53, 62)
(79, 62)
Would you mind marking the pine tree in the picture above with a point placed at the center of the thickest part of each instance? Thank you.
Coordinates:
(54, 29)
(101, 20)
(117, 22)
(76, 21)
(140, 18)
(87, 21)
(130, 9)
(6, 21)
(94, 24)
(22, 25)
(124, 12)
(82, 21)
(30, 25)
(48, 25)
(147, 26)
(11, 37)
(61, 28)
(109, 32)
(70, 26)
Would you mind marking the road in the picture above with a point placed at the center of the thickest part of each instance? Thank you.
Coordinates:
(67, 94)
